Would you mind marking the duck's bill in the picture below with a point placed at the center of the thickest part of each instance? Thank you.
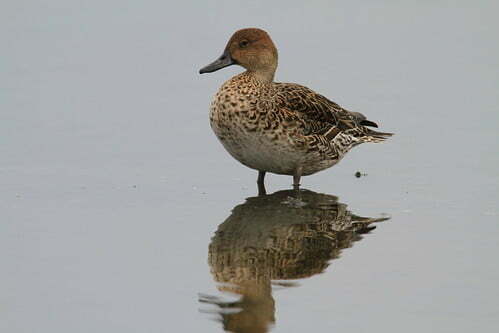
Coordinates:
(224, 61)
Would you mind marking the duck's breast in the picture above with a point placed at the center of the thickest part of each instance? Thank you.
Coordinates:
(254, 134)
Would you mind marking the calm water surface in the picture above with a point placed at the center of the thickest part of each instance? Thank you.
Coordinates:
(122, 213)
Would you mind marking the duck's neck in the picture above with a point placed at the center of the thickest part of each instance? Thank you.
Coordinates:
(262, 76)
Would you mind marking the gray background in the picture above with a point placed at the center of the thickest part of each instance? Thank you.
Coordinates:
(112, 182)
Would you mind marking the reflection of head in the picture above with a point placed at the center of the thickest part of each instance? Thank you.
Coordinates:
(269, 238)
(252, 313)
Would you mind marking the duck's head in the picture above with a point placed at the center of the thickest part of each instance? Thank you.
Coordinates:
(250, 48)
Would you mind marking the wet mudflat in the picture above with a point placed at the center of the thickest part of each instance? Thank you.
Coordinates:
(122, 213)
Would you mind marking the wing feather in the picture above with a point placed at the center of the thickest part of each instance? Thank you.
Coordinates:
(320, 114)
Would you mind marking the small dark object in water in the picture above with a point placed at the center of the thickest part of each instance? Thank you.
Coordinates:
(358, 174)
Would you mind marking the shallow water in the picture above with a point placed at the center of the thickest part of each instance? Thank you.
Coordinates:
(122, 213)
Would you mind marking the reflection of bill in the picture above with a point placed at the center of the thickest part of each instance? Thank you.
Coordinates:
(271, 238)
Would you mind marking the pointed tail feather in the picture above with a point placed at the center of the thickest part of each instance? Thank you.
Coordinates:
(374, 136)
(366, 122)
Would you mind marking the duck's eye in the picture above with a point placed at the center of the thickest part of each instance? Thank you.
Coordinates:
(243, 43)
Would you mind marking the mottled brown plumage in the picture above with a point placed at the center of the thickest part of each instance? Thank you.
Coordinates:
(283, 128)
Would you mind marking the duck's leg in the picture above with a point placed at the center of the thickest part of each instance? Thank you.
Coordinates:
(261, 183)
(296, 178)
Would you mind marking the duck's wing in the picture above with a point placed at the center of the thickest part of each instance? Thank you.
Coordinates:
(319, 114)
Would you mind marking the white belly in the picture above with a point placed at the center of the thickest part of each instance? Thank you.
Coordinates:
(258, 152)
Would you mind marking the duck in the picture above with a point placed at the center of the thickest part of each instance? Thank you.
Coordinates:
(276, 127)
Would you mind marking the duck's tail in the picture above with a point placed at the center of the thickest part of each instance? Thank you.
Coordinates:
(365, 134)
(374, 136)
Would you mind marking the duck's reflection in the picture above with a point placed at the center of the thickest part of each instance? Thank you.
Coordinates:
(276, 237)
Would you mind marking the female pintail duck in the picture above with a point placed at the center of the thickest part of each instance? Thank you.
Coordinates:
(283, 128)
